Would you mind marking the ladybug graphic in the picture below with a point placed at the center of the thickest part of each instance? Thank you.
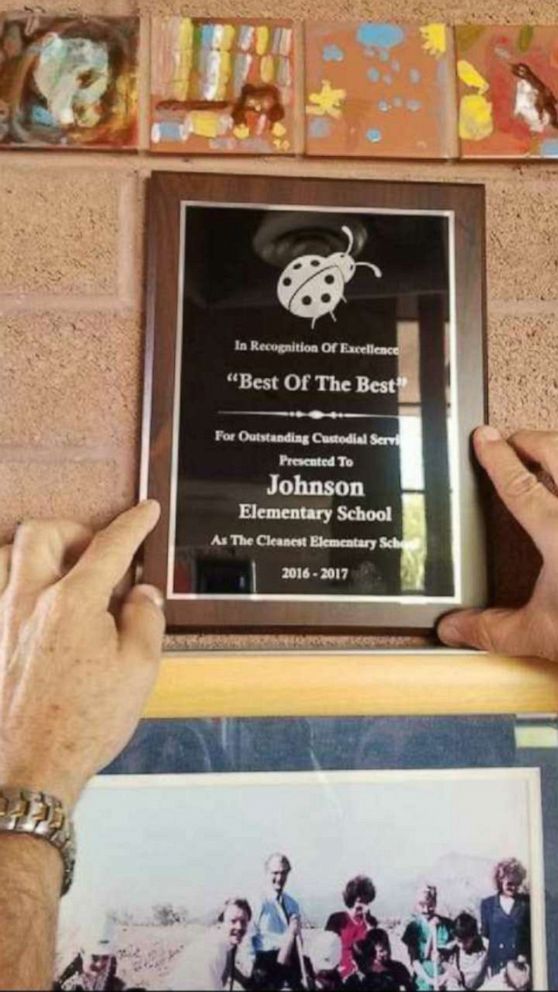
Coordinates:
(312, 285)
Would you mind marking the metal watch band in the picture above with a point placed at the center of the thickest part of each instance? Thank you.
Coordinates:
(37, 814)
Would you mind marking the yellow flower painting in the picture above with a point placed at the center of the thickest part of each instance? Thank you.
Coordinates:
(475, 117)
(327, 101)
(434, 39)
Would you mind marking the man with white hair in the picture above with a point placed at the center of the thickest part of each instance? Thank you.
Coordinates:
(276, 940)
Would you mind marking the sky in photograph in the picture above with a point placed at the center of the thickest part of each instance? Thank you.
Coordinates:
(194, 840)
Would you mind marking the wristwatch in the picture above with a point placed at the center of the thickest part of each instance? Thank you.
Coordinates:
(38, 814)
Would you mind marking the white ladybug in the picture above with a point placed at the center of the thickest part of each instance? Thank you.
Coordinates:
(312, 285)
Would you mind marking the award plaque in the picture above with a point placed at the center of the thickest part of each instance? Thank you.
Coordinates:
(315, 366)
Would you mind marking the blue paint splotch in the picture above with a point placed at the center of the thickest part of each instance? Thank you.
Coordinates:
(377, 35)
(414, 75)
(374, 135)
(41, 116)
(207, 33)
(332, 53)
(549, 148)
(373, 75)
(383, 105)
(168, 131)
(319, 127)
(413, 105)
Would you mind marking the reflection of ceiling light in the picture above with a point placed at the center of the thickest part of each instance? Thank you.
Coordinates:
(281, 237)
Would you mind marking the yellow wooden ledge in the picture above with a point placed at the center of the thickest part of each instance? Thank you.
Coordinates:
(216, 684)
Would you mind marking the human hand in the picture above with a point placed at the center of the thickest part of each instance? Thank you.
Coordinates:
(533, 628)
(73, 677)
(294, 925)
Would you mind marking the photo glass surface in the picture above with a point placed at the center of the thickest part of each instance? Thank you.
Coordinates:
(426, 832)
(315, 418)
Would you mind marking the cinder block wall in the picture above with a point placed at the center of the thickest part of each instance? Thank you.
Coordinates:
(71, 301)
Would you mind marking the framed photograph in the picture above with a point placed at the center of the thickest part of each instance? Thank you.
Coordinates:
(414, 850)
(315, 366)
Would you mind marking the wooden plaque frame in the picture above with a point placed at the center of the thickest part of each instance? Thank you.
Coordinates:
(465, 204)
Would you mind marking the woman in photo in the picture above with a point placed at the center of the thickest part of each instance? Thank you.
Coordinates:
(355, 921)
(425, 935)
(506, 917)
(376, 970)
(464, 961)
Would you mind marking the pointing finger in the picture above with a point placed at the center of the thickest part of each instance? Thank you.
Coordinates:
(525, 497)
(42, 552)
(110, 554)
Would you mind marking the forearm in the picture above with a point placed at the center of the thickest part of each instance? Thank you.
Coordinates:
(286, 948)
(30, 886)
(421, 972)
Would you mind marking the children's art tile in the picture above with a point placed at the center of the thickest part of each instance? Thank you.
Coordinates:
(379, 90)
(508, 91)
(222, 86)
(68, 82)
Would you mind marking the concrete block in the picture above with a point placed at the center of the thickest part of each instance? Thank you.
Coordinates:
(90, 492)
(101, 8)
(70, 379)
(523, 372)
(453, 11)
(522, 234)
(59, 230)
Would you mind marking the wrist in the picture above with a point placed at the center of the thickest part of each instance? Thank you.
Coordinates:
(40, 865)
(17, 775)
(39, 817)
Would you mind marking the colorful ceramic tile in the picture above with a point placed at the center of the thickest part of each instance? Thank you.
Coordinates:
(68, 82)
(375, 89)
(508, 91)
(222, 86)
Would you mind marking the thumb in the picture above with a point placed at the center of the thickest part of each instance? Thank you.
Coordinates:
(487, 630)
(142, 623)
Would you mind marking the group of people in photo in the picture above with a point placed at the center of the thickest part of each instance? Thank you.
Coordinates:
(265, 947)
